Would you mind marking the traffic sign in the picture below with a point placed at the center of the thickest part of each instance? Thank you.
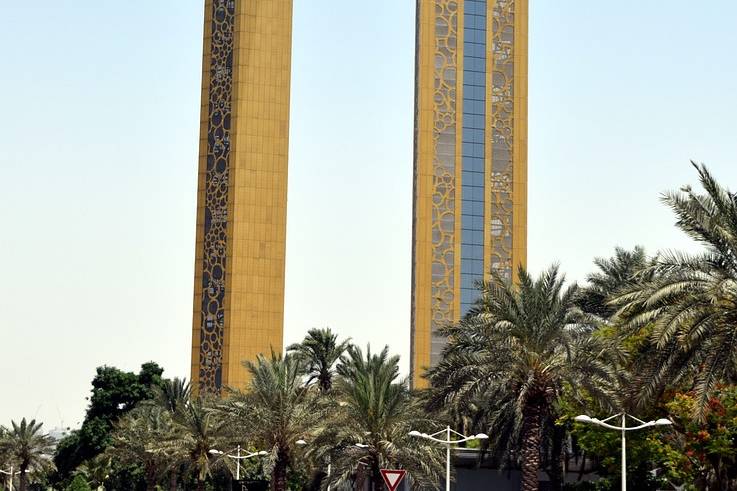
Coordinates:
(392, 477)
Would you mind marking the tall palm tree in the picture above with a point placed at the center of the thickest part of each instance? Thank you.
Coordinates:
(371, 426)
(276, 411)
(25, 444)
(690, 303)
(518, 349)
(320, 350)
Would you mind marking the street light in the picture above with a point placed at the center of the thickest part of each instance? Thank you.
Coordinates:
(10, 475)
(238, 457)
(448, 442)
(583, 418)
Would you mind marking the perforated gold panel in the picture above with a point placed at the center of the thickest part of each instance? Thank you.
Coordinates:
(439, 159)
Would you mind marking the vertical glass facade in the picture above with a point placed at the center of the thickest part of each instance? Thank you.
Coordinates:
(472, 157)
(470, 161)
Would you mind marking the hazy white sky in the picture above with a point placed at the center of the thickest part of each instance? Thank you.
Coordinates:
(98, 157)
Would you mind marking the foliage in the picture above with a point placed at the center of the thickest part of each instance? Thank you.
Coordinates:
(276, 411)
(195, 431)
(605, 447)
(79, 483)
(612, 275)
(514, 353)
(371, 426)
(319, 351)
(136, 440)
(702, 452)
(114, 393)
(691, 300)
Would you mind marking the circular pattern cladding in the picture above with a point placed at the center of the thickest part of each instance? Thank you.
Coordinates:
(216, 197)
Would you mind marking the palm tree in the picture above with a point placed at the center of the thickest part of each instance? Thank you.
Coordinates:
(25, 444)
(518, 349)
(137, 438)
(195, 431)
(613, 275)
(690, 303)
(376, 412)
(320, 351)
(96, 471)
(276, 411)
(172, 394)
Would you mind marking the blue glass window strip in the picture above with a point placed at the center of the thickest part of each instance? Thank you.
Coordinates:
(472, 152)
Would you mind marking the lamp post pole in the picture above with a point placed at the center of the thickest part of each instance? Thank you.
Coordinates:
(10, 475)
(238, 457)
(448, 442)
(624, 429)
(302, 443)
(624, 453)
(238, 464)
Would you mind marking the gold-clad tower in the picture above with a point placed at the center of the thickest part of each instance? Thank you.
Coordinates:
(242, 189)
(470, 160)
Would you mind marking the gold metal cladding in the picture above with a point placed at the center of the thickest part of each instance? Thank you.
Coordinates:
(238, 304)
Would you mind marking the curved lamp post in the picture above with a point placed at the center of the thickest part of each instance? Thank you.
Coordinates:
(238, 457)
(623, 428)
(448, 441)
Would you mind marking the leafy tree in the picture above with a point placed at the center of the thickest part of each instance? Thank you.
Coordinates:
(371, 426)
(114, 393)
(519, 348)
(26, 444)
(276, 411)
(79, 483)
(320, 351)
(691, 300)
(604, 448)
(702, 453)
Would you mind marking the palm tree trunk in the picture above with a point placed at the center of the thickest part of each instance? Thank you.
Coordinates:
(173, 480)
(557, 472)
(531, 447)
(150, 477)
(377, 482)
(279, 481)
(23, 476)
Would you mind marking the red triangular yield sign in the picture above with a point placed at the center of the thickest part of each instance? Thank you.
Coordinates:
(392, 477)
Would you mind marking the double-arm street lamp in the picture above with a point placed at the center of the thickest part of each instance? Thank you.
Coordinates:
(448, 442)
(10, 473)
(238, 457)
(623, 428)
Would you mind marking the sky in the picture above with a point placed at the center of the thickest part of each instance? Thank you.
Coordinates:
(98, 161)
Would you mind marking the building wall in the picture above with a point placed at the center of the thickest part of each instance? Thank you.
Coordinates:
(242, 189)
(470, 160)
